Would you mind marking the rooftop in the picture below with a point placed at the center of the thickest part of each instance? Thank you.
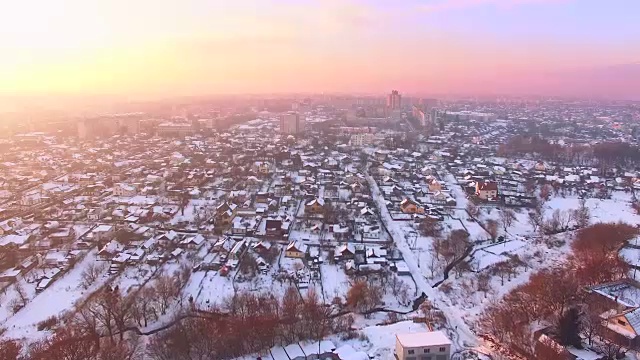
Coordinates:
(423, 339)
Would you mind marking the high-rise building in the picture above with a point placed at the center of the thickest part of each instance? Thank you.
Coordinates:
(428, 104)
(394, 100)
(110, 124)
(291, 123)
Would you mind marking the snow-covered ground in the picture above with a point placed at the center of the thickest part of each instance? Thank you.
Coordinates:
(463, 292)
(464, 337)
(53, 301)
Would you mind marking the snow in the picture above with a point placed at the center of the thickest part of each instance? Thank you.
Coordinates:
(584, 354)
(465, 337)
(346, 352)
(382, 341)
(423, 339)
(631, 256)
(53, 301)
(334, 281)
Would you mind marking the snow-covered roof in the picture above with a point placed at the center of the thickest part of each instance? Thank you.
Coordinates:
(423, 339)
(347, 352)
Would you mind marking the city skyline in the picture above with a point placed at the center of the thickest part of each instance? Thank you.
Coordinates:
(195, 47)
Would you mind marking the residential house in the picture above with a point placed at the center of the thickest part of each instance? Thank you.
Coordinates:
(273, 228)
(432, 345)
(225, 213)
(315, 206)
(371, 232)
(124, 190)
(435, 185)
(192, 242)
(345, 252)
(261, 167)
(409, 206)
(487, 190)
(296, 249)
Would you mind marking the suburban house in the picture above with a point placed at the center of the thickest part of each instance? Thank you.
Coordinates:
(315, 206)
(435, 185)
(409, 206)
(273, 228)
(295, 249)
(225, 213)
(261, 167)
(431, 345)
(122, 189)
(486, 190)
(623, 327)
(620, 312)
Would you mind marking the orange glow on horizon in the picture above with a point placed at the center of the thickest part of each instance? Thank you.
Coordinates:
(167, 47)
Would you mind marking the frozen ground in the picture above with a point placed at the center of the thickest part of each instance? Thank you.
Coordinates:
(464, 337)
(55, 300)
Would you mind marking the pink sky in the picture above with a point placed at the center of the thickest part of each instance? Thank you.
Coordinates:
(192, 47)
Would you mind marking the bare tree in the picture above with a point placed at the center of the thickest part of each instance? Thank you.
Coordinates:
(364, 297)
(545, 193)
(21, 300)
(535, 220)
(507, 216)
(484, 283)
(167, 289)
(582, 214)
(472, 209)
(455, 245)
(430, 227)
(91, 273)
(492, 228)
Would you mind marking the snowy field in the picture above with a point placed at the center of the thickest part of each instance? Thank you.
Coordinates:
(463, 292)
(53, 301)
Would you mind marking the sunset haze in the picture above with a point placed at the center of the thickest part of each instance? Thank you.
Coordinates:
(196, 47)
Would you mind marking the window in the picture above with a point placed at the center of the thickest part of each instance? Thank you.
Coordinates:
(411, 352)
(443, 349)
(426, 357)
(411, 358)
(622, 322)
(426, 351)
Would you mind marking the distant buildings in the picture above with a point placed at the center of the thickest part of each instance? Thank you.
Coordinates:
(361, 139)
(109, 125)
(470, 115)
(420, 115)
(394, 100)
(175, 129)
(291, 123)
(428, 104)
(423, 110)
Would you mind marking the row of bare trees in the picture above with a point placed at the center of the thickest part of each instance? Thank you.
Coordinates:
(106, 327)
(248, 323)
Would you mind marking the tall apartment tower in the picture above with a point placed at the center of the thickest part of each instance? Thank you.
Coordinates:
(394, 100)
(291, 123)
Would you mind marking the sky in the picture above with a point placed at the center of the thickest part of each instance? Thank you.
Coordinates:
(201, 47)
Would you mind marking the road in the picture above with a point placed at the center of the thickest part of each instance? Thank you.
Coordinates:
(465, 338)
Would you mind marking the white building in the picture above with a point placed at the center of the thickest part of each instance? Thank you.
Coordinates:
(431, 345)
(361, 139)
(122, 189)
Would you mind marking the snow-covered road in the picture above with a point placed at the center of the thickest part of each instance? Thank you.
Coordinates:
(466, 338)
